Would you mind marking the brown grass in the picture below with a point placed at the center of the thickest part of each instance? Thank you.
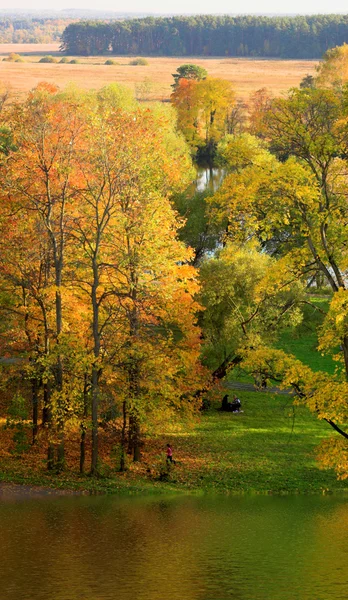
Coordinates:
(247, 75)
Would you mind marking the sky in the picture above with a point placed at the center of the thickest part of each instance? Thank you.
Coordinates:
(188, 6)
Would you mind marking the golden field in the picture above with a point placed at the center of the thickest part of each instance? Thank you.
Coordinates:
(247, 74)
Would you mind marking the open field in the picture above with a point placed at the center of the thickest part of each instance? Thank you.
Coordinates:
(247, 75)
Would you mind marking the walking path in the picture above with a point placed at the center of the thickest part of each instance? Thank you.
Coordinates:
(250, 387)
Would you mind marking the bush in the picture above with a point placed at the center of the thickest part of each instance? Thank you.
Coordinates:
(74, 61)
(64, 60)
(111, 62)
(13, 57)
(139, 61)
(48, 59)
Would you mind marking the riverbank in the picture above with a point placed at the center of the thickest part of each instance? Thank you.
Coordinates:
(270, 448)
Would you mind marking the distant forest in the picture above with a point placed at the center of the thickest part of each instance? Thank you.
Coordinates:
(27, 30)
(276, 37)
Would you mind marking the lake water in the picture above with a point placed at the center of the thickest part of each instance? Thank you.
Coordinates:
(175, 548)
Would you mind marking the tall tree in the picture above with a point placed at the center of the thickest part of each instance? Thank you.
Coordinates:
(204, 109)
(189, 71)
(41, 181)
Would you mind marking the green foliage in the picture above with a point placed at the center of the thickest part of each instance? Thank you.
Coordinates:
(236, 152)
(6, 141)
(64, 60)
(17, 416)
(198, 231)
(243, 303)
(110, 61)
(116, 96)
(165, 472)
(208, 35)
(308, 81)
(74, 61)
(333, 69)
(304, 125)
(189, 71)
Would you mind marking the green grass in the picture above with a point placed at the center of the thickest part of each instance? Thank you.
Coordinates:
(304, 347)
(302, 342)
(269, 448)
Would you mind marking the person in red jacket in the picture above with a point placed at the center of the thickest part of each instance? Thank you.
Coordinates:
(170, 458)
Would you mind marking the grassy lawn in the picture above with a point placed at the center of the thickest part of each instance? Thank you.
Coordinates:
(269, 448)
(303, 341)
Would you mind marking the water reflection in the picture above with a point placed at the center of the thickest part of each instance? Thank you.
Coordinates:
(207, 548)
(209, 178)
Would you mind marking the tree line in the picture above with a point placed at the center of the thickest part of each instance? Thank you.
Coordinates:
(31, 30)
(278, 37)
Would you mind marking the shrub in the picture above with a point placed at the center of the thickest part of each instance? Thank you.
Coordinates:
(111, 62)
(48, 59)
(64, 60)
(74, 61)
(13, 57)
(139, 61)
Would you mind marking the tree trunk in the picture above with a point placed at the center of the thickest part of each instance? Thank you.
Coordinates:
(45, 409)
(35, 402)
(47, 419)
(83, 426)
(50, 456)
(95, 402)
(345, 353)
(95, 369)
(123, 438)
(130, 435)
(136, 441)
(60, 464)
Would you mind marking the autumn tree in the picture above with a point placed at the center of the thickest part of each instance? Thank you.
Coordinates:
(297, 210)
(188, 71)
(204, 112)
(107, 304)
(258, 105)
(215, 98)
(124, 202)
(141, 262)
(246, 304)
(185, 101)
(333, 69)
(40, 184)
(199, 232)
